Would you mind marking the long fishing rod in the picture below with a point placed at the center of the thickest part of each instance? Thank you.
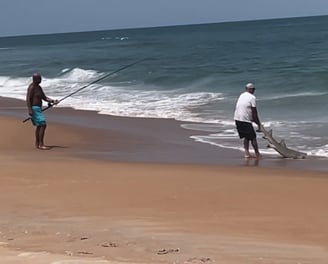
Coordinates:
(87, 85)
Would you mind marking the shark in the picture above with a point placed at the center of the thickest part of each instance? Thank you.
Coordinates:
(281, 146)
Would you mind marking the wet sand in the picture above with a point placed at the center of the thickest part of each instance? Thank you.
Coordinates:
(125, 190)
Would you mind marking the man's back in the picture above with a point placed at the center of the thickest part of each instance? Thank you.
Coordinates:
(243, 111)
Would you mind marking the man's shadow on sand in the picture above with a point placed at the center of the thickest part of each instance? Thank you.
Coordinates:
(252, 162)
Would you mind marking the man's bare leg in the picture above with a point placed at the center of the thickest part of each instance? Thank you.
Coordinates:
(37, 137)
(256, 149)
(41, 133)
(246, 147)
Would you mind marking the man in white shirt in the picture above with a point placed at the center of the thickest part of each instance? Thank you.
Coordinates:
(245, 114)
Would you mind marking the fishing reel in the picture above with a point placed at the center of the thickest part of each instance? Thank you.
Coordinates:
(52, 103)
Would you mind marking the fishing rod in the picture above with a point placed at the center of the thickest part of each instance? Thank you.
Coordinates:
(87, 85)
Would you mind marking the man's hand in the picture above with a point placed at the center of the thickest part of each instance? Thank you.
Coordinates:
(259, 128)
(52, 102)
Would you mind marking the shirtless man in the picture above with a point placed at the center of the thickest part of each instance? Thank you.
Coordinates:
(34, 98)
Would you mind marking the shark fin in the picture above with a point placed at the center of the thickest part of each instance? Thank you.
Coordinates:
(282, 143)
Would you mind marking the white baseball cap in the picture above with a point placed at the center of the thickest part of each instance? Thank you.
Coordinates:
(250, 86)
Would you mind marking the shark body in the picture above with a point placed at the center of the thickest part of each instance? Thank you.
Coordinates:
(281, 146)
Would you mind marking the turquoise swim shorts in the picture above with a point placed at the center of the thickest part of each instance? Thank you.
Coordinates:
(38, 118)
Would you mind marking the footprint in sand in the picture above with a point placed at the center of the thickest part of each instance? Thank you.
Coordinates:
(197, 260)
(109, 244)
(166, 251)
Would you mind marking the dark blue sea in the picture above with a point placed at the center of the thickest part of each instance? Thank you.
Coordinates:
(191, 73)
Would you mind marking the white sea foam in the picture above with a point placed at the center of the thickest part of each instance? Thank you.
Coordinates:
(224, 135)
(137, 103)
(319, 152)
(62, 85)
(13, 87)
(3, 80)
(119, 101)
(65, 70)
(228, 141)
(115, 38)
(291, 95)
(80, 75)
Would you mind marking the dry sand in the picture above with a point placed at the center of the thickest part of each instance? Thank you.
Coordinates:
(89, 200)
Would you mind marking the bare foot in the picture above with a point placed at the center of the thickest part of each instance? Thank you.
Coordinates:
(43, 147)
(248, 156)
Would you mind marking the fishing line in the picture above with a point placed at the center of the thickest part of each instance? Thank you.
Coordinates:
(87, 85)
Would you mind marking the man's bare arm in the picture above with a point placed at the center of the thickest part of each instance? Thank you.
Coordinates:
(48, 99)
(255, 117)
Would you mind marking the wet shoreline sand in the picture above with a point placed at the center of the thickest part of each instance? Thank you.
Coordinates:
(126, 139)
(140, 191)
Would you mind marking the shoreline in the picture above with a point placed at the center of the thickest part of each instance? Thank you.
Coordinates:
(145, 140)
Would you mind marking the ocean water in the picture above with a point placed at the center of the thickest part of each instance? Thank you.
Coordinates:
(190, 73)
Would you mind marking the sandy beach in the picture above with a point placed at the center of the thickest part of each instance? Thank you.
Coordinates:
(125, 190)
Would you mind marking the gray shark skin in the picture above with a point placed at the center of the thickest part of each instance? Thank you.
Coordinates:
(281, 147)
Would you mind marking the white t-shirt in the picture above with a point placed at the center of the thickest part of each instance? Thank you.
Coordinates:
(244, 106)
